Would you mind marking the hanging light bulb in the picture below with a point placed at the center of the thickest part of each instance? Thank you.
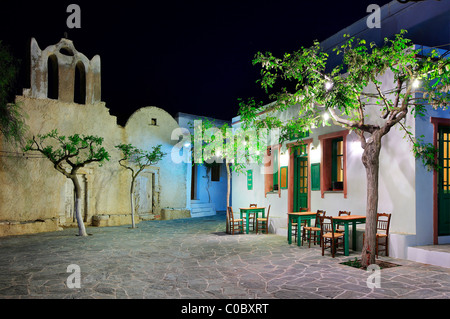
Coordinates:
(328, 85)
(416, 83)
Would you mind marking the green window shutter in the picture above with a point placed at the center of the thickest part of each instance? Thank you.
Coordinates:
(337, 157)
(315, 177)
(284, 177)
(297, 136)
(275, 169)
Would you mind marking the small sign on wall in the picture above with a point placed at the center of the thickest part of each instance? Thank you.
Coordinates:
(250, 180)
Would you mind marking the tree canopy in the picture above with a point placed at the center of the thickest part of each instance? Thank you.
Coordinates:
(346, 93)
(139, 159)
(69, 152)
(12, 125)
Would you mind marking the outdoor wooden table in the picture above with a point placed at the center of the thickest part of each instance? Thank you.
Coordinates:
(298, 217)
(346, 220)
(251, 210)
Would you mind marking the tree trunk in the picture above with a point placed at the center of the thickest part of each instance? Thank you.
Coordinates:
(371, 161)
(228, 194)
(78, 199)
(208, 182)
(133, 225)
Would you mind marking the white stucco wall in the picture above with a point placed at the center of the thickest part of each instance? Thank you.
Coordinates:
(424, 184)
(396, 185)
(173, 176)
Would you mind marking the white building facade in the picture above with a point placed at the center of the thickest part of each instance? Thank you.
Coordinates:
(407, 190)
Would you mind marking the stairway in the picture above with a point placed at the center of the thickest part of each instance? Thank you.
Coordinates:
(202, 209)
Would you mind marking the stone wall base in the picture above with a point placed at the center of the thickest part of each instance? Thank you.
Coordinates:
(14, 228)
(113, 220)
(170, 214)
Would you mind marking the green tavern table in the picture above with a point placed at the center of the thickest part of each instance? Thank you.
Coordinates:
(252, 210)
(346, 220)
(298, 217)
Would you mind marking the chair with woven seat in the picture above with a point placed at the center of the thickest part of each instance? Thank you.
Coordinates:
(330, 238)
(313, 231)
(342, 213)
(383, 223)
(235, 224)
(263, 222)
(295, 226)
(251, 217)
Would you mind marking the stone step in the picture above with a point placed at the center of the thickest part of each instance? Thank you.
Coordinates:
(202, 205)
(201, 209)
(203, 214)
(437, 255)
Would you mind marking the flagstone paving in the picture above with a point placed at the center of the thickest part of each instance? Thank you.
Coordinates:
(193, 258)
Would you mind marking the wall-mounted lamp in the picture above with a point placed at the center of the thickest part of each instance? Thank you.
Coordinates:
(284, 159)
(315, 153)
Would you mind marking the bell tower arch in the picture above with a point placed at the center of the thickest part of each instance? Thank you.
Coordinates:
(62, 73)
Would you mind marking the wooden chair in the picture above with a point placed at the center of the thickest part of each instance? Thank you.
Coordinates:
(235, 224)
(251, 217)
(342, 213)
(330, 238)
(263, 222)
(383, 223)
(295, 226)
(314, 231)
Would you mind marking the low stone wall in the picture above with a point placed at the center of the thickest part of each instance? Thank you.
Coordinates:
(15, 228)
(113, 220)
(120, 220)
(170, 213)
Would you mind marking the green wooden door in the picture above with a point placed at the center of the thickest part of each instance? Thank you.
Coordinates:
(444, 182)
(300, 183)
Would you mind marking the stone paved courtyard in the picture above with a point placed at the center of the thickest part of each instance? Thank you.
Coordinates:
(193, 258)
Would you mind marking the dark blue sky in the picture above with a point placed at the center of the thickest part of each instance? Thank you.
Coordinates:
(182, 56)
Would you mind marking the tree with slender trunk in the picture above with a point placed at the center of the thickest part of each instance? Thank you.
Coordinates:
(219, 144)
(69, 155)
(350, 92)
(138, 160)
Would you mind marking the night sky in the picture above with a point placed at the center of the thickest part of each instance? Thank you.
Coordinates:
(183, 56)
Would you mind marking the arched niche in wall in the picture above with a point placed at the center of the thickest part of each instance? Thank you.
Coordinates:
(80, 84)
(52, 77)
